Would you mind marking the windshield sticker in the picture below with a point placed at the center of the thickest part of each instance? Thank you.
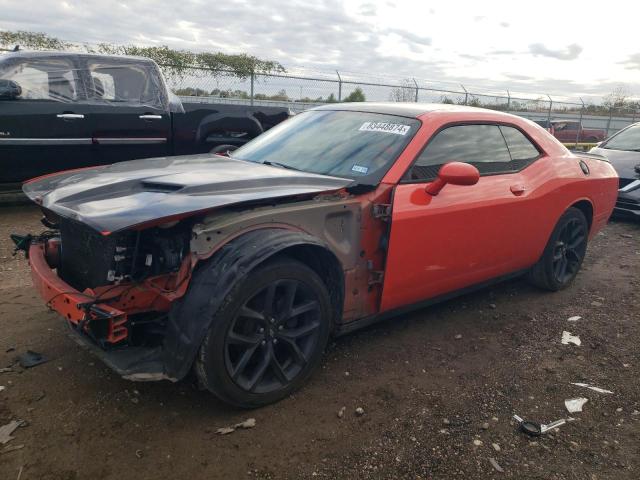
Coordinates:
(360, 169)
(395, 128)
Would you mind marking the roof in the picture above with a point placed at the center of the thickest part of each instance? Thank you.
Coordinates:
(403, 109)
(57, 54)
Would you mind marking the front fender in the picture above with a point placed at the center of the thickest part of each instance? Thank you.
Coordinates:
(191, 316)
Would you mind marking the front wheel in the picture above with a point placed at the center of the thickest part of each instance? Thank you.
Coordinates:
(564, 253)
(268, 336)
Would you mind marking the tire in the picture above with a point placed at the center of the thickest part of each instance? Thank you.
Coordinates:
(563, 254)
(258, 351)
(223, 149)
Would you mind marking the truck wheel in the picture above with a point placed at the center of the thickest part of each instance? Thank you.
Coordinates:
(268, 336)
(564, 253)
(223, 149)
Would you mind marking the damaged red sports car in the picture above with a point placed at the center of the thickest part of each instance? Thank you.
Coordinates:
(242, 267)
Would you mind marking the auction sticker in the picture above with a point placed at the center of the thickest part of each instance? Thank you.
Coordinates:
(384, 127)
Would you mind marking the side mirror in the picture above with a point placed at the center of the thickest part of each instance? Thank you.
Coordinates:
(9, 89)
(455, 173)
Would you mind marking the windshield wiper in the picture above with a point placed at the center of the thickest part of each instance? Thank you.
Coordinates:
(282, 165)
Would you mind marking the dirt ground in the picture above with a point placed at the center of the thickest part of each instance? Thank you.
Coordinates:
(438, 388)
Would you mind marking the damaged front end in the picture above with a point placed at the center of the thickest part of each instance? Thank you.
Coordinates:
(115, 291)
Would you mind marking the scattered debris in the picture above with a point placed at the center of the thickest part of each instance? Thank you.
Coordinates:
(7, 430)
(534, 429)
(477, 442)
(493, 306)
(341, 412)
(575, 404)
(596, 304)
(6, 370)
(1, 388)
(359, 411)
(569, 338)
(458, 336)
(496, 447)
(446, 421)
(590, 387)
(575, 318)
(495, 465)
(31, 359)
(248, 423)
(139, 453)
(485, 426)
(11, 448)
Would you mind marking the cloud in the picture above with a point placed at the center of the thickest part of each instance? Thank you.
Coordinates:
(571, 52)
(505, 24)
(502, 52)
(411, 37)
(633, 62)
(368, 10)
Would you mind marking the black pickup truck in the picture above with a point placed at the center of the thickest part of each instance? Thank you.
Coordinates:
(61, 110)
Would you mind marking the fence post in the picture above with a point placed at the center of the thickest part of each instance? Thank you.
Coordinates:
(417, 89)
(579, 123)
(253, 77)
(508, 100)
(550, 107)
(466, 94)
(339, 86)
(609, 121)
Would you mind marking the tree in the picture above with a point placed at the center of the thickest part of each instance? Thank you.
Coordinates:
(331, 98)
(404, 93)
(356, 96)
(174, 63)
(446, 100)
(618, 97)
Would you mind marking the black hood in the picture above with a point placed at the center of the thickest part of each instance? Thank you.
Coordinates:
(125, 194)
(627, 164)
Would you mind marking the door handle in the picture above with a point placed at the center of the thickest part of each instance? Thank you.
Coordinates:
(70, 116)
(518, 189)
(150, 117)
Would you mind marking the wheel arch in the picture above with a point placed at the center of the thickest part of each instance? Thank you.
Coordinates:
(213, 279)
(586, 207)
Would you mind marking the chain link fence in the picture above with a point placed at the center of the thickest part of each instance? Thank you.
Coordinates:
(574, 121)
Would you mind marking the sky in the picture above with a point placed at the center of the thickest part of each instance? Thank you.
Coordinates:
(566, 49)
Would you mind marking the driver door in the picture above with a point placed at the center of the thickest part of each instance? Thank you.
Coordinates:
(465, 235)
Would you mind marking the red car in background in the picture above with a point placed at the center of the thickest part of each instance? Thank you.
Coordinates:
(572, 131)
(241, 268)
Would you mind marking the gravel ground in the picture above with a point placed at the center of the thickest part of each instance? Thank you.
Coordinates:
(438, 389)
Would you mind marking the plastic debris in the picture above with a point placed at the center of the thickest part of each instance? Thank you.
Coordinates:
(7, 430)
(6, 370)
(590, 387)
(1, 388)
(575, 404)
(575, 318)
(248, 423)
(569, 338)
(341, 412)
(495, 465)
(534, 429)
(31, 359)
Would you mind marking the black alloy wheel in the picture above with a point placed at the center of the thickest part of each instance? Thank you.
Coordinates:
(268, 336)
(273, 336)
(569, 250)
(564, 253)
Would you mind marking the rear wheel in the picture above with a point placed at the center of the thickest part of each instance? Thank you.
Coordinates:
(223, 149)
(268, 336)
(564, 253)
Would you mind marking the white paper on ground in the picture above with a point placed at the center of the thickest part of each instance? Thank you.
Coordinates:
(595, 389)
(575, 404)
(574, 318)
(568, 337)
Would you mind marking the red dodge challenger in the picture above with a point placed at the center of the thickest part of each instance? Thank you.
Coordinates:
(242, 266)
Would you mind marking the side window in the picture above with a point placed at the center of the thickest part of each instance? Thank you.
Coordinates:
(44, 79)
(480, 145)
(124, 84)
(520, 148)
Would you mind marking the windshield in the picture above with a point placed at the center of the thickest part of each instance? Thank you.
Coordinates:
(357, 145)
(628, 139)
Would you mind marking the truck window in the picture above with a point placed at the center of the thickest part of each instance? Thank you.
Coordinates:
(124, 84)
(43, 79)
